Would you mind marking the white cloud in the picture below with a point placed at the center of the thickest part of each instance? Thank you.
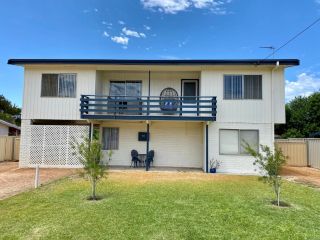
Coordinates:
(120, 40)
(202, 3)
(175, 6)
(149, 28)
(305, 85)
(109, 25)
(132, 33)
(181, 44)
(90, 10)
(121, 22)
(167, 6)
(105, 34)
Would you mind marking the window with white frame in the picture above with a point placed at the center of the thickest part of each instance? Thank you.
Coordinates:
(58, 85)
(110, 138)
(242, 87)
(232, 140)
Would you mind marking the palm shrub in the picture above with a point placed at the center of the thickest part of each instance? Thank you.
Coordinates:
(270, 165)
(93, 168)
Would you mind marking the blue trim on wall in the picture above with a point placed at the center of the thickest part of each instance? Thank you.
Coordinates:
(291, 62)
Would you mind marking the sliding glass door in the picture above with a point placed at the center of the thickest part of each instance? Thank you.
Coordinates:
(125, 88)
(124, 91)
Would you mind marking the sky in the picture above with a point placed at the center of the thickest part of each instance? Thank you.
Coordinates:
(160, 29)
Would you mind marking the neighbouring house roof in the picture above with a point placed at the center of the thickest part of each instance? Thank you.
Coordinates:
(285, 62)
(9, 124)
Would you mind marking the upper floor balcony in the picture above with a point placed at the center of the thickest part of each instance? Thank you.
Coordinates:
(164, 107)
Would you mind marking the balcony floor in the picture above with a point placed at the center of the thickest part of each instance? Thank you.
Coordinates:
(148, 117)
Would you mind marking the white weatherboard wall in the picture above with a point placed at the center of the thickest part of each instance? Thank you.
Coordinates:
(176, 144)
(37, 107)
(243, 114)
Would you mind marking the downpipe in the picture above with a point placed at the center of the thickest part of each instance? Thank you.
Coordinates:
(272, 104)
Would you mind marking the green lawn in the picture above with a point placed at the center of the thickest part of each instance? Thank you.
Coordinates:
(220, 207)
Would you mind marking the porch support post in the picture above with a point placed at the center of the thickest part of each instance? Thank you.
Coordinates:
(207, 147)
(91, 131)
(149, 83)
(148, 98)
(147, 149)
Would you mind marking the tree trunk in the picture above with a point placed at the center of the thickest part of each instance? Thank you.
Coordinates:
(93, 189)
(278, 195)
(276, 186)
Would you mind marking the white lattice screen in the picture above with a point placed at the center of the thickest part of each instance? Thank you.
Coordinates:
(50, 145)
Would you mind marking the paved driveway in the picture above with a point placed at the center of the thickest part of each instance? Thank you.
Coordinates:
(14, 180)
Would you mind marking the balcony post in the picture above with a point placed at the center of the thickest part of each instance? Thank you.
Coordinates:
(148, 98)
(207, 147)
(147, 149)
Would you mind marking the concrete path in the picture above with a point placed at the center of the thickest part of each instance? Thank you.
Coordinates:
(14, 180)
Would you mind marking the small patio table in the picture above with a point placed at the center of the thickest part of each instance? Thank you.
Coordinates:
(142, 157)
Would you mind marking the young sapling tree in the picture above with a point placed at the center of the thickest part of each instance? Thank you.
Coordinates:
(94, 169)
(270, 164)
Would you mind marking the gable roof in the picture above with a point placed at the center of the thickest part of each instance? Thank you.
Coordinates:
(286, 62)
(9, 124)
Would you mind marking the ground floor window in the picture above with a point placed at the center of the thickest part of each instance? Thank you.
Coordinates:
(232, 140)
(110, 138)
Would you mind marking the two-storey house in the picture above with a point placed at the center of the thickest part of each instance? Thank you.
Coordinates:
(187, 111)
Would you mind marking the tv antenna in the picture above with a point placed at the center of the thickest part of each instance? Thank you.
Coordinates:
(272, 48)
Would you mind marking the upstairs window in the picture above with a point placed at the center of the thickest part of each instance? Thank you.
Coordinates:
(125, 88)
(242, 87)
(58, 85)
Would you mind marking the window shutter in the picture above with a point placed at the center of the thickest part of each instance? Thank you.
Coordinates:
(110, 138)
(67, 85)
(227, 87)
(252, 87)
(237, 86)
(229, 141)
(233, 87)
(251, 137)
(49, 85)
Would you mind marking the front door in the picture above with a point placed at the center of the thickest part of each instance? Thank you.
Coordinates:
(189, 92)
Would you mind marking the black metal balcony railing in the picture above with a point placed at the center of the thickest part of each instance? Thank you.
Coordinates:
(148, 107)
